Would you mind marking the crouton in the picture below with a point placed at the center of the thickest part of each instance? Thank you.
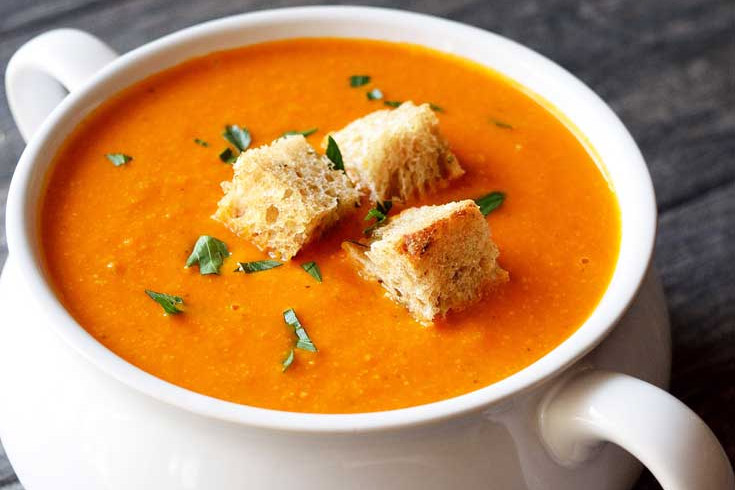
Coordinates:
(283, 196)
(432, 259)
(396, 154)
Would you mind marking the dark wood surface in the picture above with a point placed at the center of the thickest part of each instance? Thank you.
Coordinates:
(667, 67)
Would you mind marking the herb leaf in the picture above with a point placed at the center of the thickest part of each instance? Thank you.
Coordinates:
(380, 213)
(375, 213)
(374, 94)
(490, 201)
(237, 136)
(304, 133)
(228, 156)
(201, 142)
(334, 154)
(313, 270)
(359, 80)
(501, 124)
(436, 108)
(392, 103)
(257, 266)
(303, 342)
(209, 253)
(287, 361)
(167, 302)
(118, 159)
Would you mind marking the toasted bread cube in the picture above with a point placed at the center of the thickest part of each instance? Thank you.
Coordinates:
(397, 154)
(283, 196)
(432, 259)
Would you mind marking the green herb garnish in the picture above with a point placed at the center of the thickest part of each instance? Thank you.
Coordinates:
(490, 201)
(334, 154)
(237, 136)
(303, 342)
(257, 266)
(374, 94)
(228, 156)
(287, 361)
(359, 80)
(501, 124)
(209, 253)
(167, 302)
(201, 142)
(118, 159)
(392, 103)
(304, 133)
(379, 213)
(436, 108)
(313, 270)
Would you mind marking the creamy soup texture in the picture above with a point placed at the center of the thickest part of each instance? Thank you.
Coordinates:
(111, 232)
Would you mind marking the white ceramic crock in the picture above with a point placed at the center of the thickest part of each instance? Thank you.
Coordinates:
(78, 417)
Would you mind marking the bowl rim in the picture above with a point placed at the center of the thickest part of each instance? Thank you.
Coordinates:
(22, 215)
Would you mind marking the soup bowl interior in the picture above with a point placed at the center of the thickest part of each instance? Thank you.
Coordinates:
(575, 104)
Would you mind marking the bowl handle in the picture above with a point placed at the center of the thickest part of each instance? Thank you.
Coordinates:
(593, 406)
(45, 69)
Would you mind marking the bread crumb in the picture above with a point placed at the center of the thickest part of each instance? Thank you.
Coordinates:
(396, 154)
(283, 196)
(432, 259)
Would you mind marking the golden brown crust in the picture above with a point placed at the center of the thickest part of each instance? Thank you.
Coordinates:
(419, 242)
(432, 259)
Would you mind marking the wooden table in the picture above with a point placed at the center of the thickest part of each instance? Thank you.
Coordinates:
(667, 67)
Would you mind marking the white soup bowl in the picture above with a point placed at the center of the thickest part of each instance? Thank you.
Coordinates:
(79, 417)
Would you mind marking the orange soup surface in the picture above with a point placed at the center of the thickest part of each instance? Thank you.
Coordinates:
(110, 232)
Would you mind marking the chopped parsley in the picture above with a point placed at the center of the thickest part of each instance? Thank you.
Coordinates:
(334, 154)
(237, 136)
(209, 253)
(304, 133)
(303, 341)
(228, 156)
(167, 302)
(201, 142)
(313, 270)
(490, 202)
(379, 213)
(501, 124)
(392, 103)
(374, 94)
(118, 159)
(436, 108)
(359, 80)
(257, 266)
(287, 361)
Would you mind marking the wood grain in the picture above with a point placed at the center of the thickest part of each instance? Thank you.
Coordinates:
(665, 66)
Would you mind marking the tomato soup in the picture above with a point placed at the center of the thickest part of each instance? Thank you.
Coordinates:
(111, 231)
